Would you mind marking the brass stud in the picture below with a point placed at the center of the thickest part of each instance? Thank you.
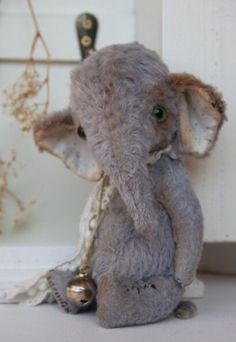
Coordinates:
(87, 24)
(86, 41)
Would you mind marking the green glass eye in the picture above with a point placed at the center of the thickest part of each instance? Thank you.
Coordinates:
(159, 113)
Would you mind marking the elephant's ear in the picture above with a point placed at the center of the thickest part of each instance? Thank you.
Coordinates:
(57, 135)
(202, 112)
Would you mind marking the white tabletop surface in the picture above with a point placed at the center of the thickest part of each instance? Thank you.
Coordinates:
(215, 321)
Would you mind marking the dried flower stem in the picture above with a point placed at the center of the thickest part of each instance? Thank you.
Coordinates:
(37, 36)
(20, 96)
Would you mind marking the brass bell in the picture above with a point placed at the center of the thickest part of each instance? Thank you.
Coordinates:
(81, 290)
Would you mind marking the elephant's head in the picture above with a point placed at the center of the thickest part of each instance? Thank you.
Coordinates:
(125, 105)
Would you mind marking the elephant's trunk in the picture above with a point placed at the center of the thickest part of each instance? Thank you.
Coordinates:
(137, 193)
(125, 162)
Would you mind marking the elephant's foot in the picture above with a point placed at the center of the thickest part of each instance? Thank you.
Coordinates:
(141, 303)
(185, 310)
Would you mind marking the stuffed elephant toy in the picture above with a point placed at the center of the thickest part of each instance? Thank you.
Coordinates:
(132, 120)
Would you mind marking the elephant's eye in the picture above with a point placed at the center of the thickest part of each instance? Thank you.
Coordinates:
(81, 133)
(159, 113)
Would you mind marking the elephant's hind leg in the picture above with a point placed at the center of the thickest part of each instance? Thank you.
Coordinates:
(146, 302)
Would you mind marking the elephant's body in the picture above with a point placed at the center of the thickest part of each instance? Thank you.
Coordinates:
(120, 249)
(135, 275)
(131, 257)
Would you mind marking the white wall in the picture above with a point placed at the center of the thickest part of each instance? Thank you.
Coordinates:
(149, 23)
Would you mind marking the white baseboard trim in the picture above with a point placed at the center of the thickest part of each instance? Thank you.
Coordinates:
(21, 263)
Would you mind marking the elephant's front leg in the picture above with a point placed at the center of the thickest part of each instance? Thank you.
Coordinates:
(123, 304)
(185, 212)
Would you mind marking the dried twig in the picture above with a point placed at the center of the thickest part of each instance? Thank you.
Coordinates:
(6, 168)
(20, 103)
(20, 96)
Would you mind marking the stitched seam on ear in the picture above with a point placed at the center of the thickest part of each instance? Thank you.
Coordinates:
(184, 81)
(49, 125)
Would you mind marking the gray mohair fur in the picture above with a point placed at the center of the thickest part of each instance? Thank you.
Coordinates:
(149, 242)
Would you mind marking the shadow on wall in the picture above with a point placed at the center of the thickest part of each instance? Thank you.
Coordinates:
(219, 258)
